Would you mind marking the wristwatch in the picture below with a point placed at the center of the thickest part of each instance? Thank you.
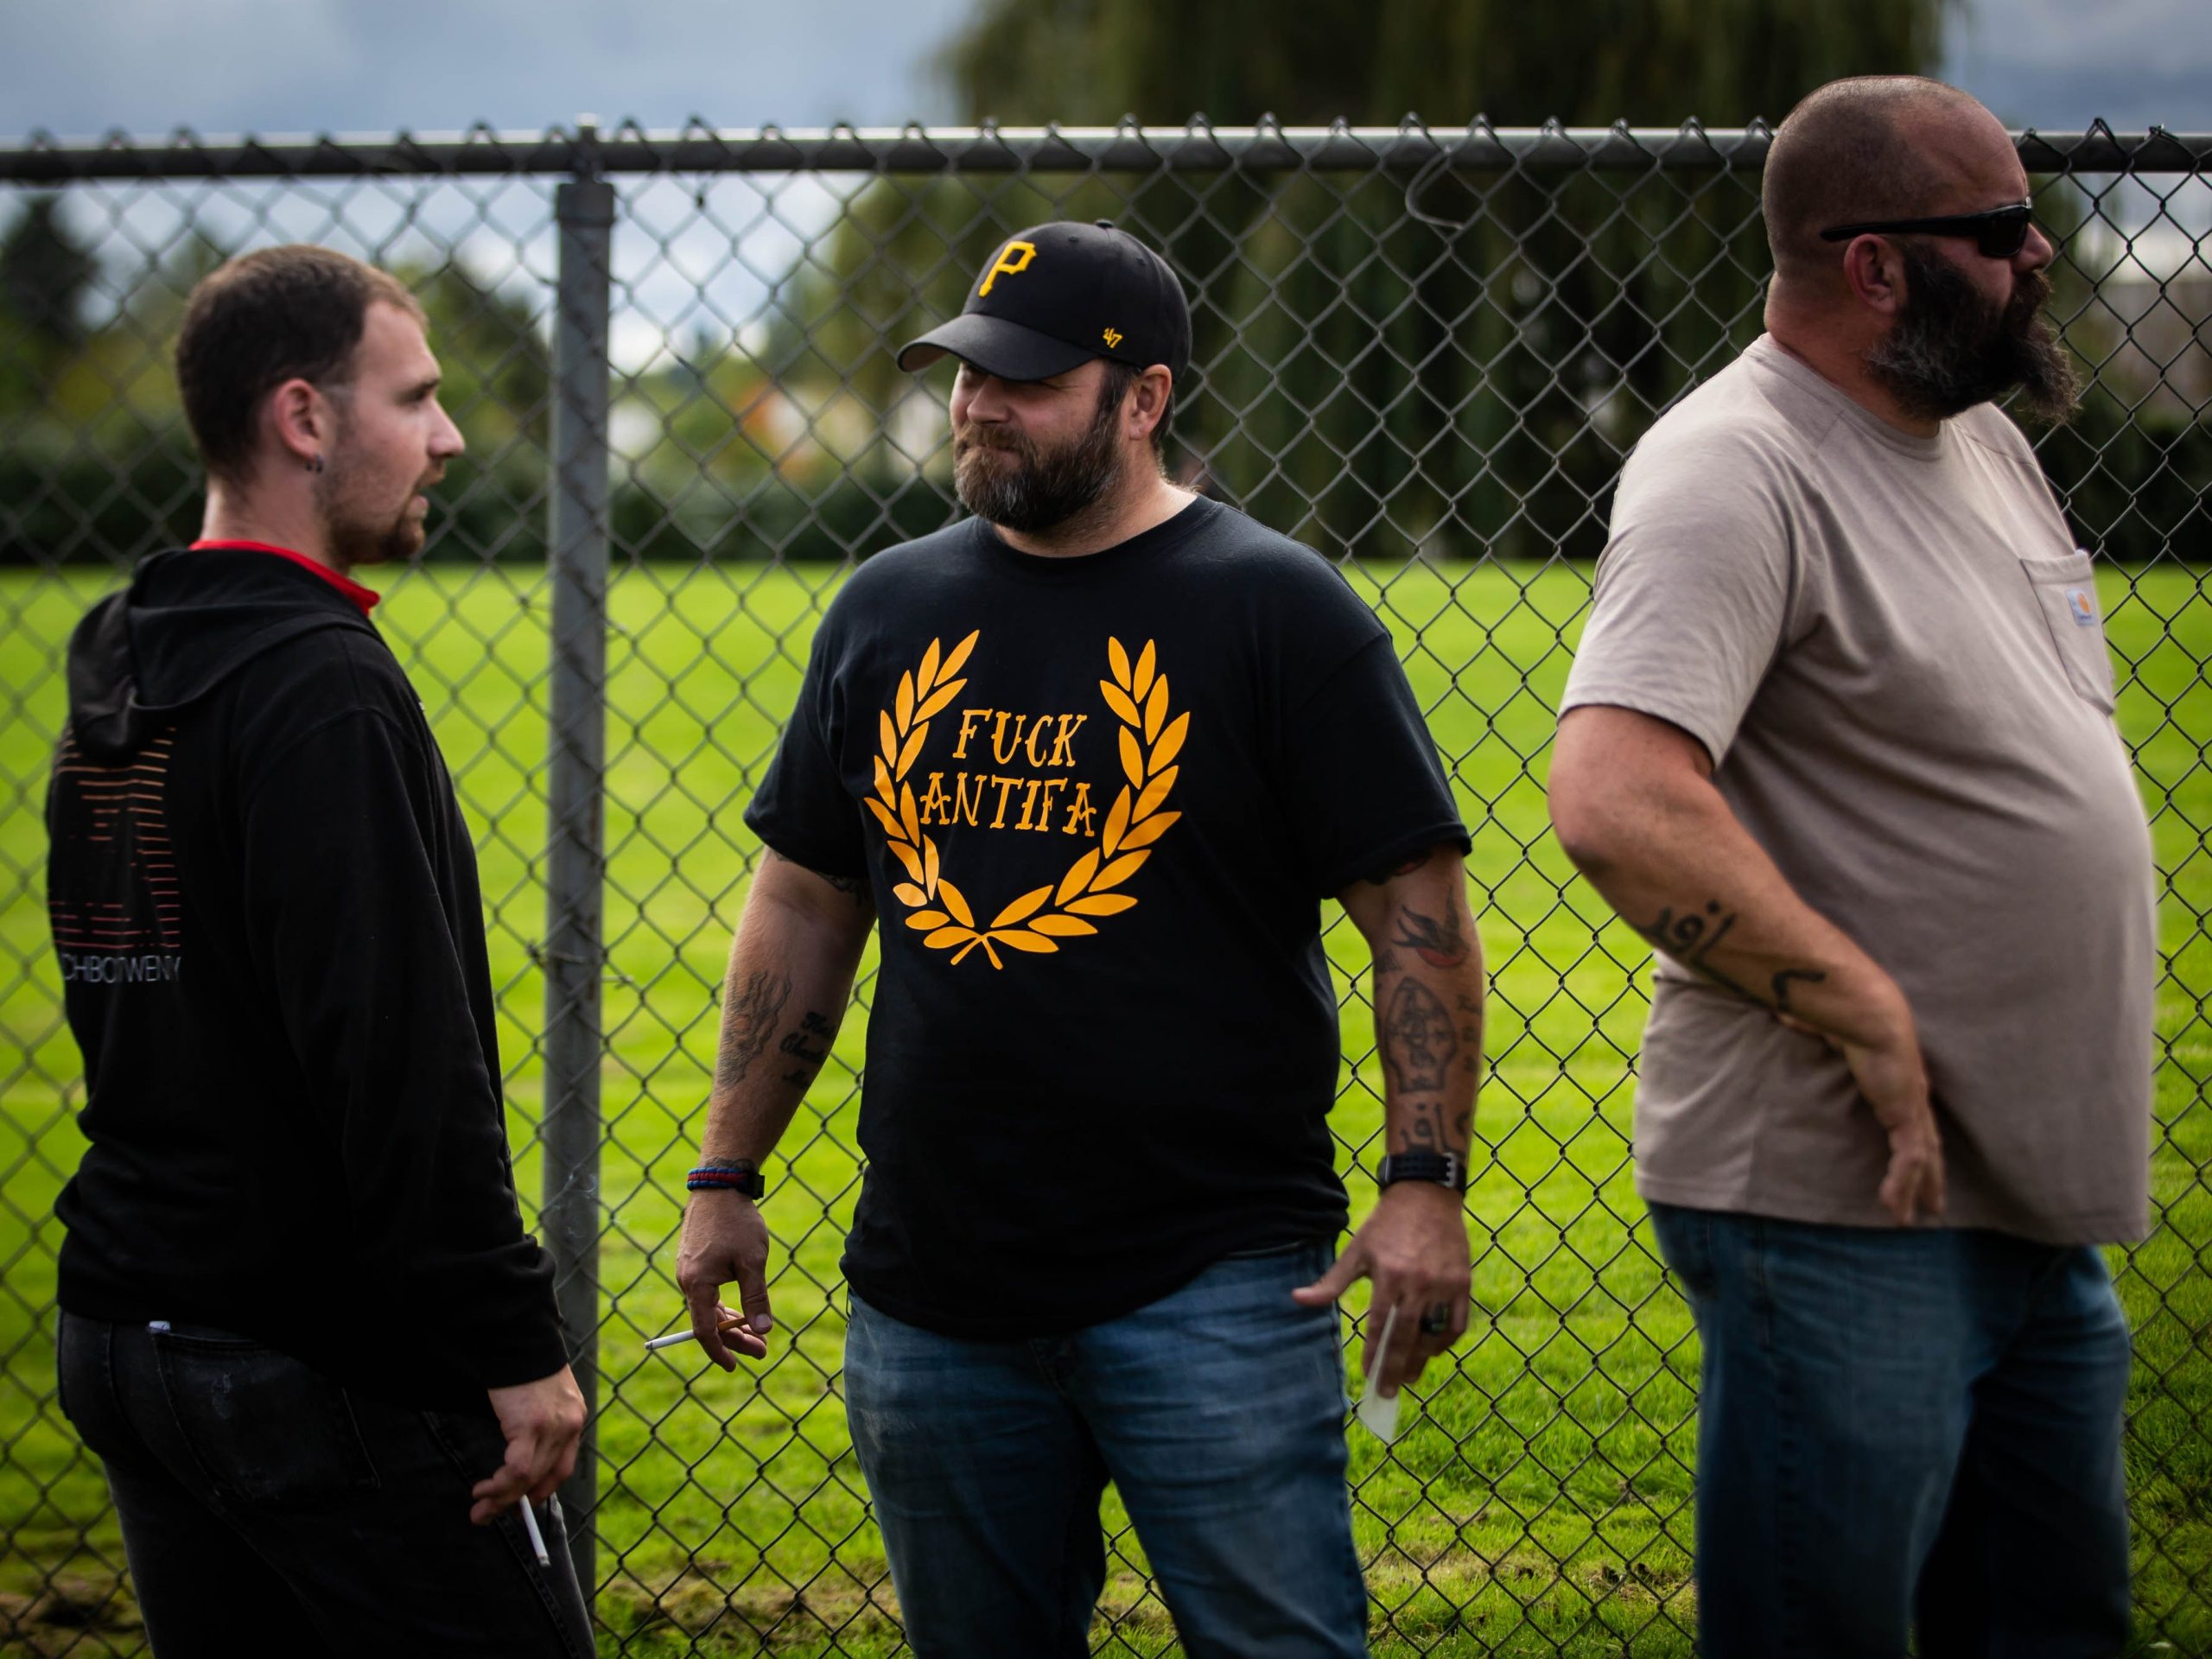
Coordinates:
(1445, 1168)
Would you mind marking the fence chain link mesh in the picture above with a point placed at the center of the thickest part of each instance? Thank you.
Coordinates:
(1423, 352)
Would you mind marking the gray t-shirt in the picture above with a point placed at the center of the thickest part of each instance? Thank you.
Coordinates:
(1893, 651)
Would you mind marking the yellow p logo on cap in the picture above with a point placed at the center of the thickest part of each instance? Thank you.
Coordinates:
(1007, 264)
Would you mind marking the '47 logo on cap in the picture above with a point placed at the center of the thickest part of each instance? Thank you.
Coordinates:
(1114, 337)
(1007, 264)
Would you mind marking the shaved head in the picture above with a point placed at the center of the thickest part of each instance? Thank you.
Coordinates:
(1924, 321)
(1874, 147)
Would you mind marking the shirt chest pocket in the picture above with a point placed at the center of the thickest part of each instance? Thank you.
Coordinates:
(2066, 590)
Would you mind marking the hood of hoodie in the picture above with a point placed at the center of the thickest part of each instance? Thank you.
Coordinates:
(188, 620)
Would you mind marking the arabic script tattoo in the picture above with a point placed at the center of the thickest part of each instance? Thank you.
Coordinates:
(1781, 984)
(1691, 938)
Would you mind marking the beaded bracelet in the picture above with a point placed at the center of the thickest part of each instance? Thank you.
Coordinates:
(741, 1175)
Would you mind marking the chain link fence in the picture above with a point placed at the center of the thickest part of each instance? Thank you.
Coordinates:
(1424, 352)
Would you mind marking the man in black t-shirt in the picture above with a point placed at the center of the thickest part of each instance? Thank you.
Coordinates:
(1092, 758)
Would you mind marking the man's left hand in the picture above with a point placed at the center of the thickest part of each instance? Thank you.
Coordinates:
(1413, 1249)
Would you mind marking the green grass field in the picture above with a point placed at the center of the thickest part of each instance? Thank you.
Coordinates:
(1538, 1504)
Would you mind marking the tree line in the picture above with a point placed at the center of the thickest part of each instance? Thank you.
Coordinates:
(1445, 367)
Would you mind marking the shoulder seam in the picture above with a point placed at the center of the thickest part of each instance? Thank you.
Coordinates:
(2027, 463)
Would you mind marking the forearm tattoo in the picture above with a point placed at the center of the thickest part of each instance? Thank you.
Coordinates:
(1690, 937)
(1417, 1038)
(1780, 984)
(1440, 943)
(855, 888)
(808, 1046)
(750, 1009)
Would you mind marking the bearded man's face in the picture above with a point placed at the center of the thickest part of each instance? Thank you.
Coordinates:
(1953, 346)
(1033, 482)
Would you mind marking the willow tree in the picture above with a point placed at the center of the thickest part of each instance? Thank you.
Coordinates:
(1452, 364)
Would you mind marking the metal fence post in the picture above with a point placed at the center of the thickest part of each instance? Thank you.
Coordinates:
(576, 816)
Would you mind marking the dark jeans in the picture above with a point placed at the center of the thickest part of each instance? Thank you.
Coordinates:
(1903, 1428)
(261, 1504)
(1218, 1411)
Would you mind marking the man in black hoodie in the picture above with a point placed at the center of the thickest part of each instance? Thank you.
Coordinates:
(301, 1324)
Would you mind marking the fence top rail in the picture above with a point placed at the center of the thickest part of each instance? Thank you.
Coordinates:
(1200, 147)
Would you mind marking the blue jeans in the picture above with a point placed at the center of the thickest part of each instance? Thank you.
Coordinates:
(1907, 1428)
(1218, 1412)
(266, 1509)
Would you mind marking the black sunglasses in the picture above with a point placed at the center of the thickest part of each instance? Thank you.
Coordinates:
(2000, 232)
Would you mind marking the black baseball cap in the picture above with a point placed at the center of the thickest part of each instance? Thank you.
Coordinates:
(1057, 295)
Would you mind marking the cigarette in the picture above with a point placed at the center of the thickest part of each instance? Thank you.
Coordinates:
(1381, 1351)
(1378, 1410)
(536, 1538)
(675, 1336)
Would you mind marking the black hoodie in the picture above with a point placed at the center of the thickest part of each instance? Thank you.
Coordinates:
(264, 899)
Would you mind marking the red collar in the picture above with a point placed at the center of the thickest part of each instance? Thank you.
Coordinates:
(363, 599)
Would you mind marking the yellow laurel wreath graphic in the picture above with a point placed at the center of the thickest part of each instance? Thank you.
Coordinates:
(1038, 920)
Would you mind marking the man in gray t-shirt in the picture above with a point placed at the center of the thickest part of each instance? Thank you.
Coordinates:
(1839, 743)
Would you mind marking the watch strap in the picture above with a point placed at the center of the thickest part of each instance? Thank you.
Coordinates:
(1443, 1168)
(738, 1175)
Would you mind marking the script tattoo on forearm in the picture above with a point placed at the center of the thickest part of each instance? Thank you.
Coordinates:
(808, 1046)
(1417, 1038)
(1423, 1134)
(749, 1012)
(1690, 937)
(1425, 1131)
(1780, 984)
(1439, 944)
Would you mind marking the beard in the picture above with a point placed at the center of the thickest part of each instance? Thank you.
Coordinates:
(1951, 348)
(361, 530)
(1033, 489)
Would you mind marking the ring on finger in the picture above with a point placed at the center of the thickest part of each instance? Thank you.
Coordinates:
(1436, 1321)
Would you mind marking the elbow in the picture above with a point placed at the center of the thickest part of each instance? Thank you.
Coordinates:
(1585, 830)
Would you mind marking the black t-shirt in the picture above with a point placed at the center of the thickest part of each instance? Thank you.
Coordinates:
(1099, 800)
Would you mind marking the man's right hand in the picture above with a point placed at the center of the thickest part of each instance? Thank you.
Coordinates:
(725, 1241)
(1892, 1076)
(542, 1421)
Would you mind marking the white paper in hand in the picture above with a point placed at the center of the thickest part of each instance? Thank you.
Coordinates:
(1379, 1412)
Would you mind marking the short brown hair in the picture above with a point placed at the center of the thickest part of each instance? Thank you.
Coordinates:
(1114, 386)
(265, 318)
(1848, 153)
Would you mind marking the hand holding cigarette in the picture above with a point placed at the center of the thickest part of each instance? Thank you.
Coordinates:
(542, 1422)
(725, 1242)
(726, 1326)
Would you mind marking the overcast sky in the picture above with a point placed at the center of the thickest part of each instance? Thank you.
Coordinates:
(78, 67)
(707, 261)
